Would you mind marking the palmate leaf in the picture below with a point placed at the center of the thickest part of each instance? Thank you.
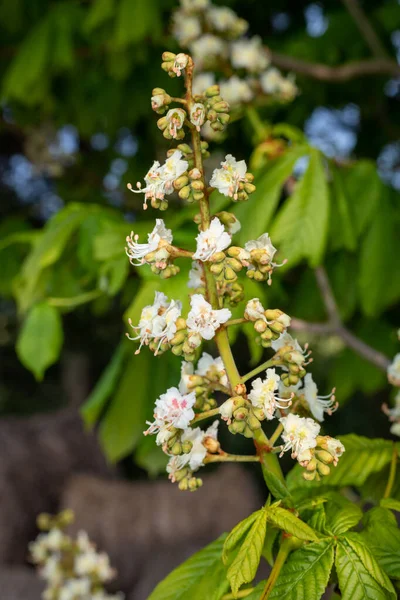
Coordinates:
(306, 572)
(237, 534)
(362, 457)
(244, 566)
(286, 520)
(360, 576)
(200, 577)
(300, 228)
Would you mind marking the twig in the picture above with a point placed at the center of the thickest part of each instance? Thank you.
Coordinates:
(340, 74)
(334, 325)
(365, 27)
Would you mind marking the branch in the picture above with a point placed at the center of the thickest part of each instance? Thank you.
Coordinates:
(334, 325)
(365, 27)
(340, 74)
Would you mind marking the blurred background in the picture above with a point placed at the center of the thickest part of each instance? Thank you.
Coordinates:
(75, 127)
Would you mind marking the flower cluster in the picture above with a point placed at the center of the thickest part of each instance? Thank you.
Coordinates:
(283, 391)
(393, 373)
(72, 568)
(216, 38)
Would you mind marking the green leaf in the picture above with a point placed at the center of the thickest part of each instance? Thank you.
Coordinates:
(363, 188)
(286, 520)
(380, 246)
(100, 11)
(360, 576)
(30, 62)
(342, 231)
(266, 197)
(200, 577)
(124, 422)
(105, 386)
(300, 228)
(391, 503)
(268, 550)
(306, 572)
(341, 514)
(362, 457)
(257, 591)
(40, 340)
(237, 533)
(244, 566)
(382, 535)
(135, 20)
(277, 488)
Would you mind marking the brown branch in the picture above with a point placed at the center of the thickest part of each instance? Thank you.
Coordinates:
(340, 74)
(334, 325)
(365, 27)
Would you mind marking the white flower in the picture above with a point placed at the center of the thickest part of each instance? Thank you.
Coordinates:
(395, 428)
(74, 589)
(52, 570)
(203, 320)
(226, 410)
(187, 370)
(233, 226)
(197, 115)
(175, 464)
(157, 101)
(94, 563)
(285, 340)
(299, 434)
(180, 63)
(207, 50)
(201, 82)
(212, 240)
(157, 321)
(263, 244)
(226, 180)
(194, 5)
(393, 371)
(249, 54)
(83, 542)
(235, 90)
(212, 368)
(172, 410)
(194, 459)
(186, 28)
(288, 89)
(175, 119)
(254, 310)
(263, 395)
(196, 275)
(159, 236)
(159, 180)
(334, 447)
(222, 18)
(271, 80)
(318, 405)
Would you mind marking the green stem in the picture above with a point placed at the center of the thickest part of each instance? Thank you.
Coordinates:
(212, 458)
(206, 415)
(240, 594)
(257, 370)
(260, 129)
(276, 434)
(236, 322)
(392, 474)
(284, 551)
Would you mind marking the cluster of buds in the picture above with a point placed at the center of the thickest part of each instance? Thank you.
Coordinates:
(209, 376)
(225, 267)
(216, 108)
(174, 64)
(72, 568)
(270, 323)
(319, 460)
(238, 412)
(160, 100)
(233, 292)
(292, 357)
(257, 256)
(181, 344)
(190, 186)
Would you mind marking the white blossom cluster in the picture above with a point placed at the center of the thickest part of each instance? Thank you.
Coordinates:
(215, 36)
(72, 568)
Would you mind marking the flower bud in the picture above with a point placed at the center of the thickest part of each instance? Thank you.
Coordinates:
(212, 91)
(186, 447)
(309, 476)
(260, 326)
(324, 456)
(229, 273)
(253, 422)
(323, 469)
(212, 445)
(197, 196)
(241, 413)
(221, 107)
(237, 427)
(181, 182)
(185, 192)
(168, 56)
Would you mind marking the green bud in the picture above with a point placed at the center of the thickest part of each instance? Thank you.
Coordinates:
(237, 427)
(309, 476)
(221, 107)
(184, 148)
(197, 196)
(217, 268)
(212, 115)
(253, 422)
(324, 456)
(162, 123)
(312, 465)
(224, 118)
(229, 273)
(323, 469)
(185, 192)
(197, 185)
(241, 413)
(249, 188)
(260, 326)
(212, 91)
(181, 182)
(177, 350)
(247, 432)
(183, 485)
(168, 56)
(175, 449)
(186, 447)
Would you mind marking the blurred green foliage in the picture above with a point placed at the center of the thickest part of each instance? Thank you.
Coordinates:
(93, 64)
